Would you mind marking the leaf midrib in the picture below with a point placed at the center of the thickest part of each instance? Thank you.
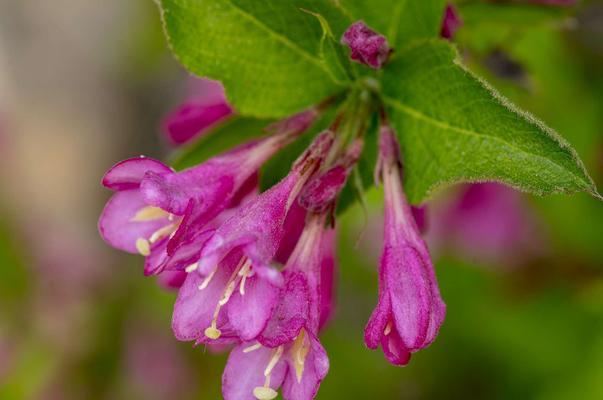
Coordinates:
(283, 39)
(444, 125)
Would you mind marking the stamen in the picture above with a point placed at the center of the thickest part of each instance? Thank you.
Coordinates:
(266, 392)
(242, 285)
(143, 246)
(252, 348)
(161, 232)
(388, 329)
(227, 293)
(213, 332)
(275, 357)
(191, 268)
(207, 279)
(245, 272)
(149, 213)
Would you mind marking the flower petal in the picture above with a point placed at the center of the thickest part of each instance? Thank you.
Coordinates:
(245, 371)
(290, 314)
(153, 262)
(394, 348)
(194, 308)
(172, 192)
(316, 366)
(373, 332)
(328, 272)
(115, 223)
(127, 174)
(409, 285)
(249, 313)
(171, 279)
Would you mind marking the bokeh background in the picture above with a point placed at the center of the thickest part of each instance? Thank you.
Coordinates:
(86, 83)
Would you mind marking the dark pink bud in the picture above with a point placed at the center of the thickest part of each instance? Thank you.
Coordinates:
(320, 193)
(367, 46)
(452, 21)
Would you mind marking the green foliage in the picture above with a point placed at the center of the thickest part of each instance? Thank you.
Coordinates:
(266, 53)
(455, 128)
(276, 58)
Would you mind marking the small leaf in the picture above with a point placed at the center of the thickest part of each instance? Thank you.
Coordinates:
(401, 21)
(266, 53)
(454, 128)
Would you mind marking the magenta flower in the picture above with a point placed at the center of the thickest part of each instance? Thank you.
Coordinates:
(410, 311)
(287, 353)
(252, 236)
(128, 222)
(158, 211)
(485, 221)
(328, 277)
(198, 114)
(367, 46)
(451, 22)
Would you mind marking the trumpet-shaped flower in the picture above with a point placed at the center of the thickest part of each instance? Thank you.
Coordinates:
(253, 234)
(287, 353)
(410, 310)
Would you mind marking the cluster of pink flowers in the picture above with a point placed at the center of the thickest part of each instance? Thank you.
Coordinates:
(255, 271)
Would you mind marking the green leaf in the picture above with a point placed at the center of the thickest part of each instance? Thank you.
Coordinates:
(453, 127)
(267, 53)
(222, 138)
(401, 21)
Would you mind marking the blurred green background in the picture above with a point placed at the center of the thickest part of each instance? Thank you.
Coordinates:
(84, 84)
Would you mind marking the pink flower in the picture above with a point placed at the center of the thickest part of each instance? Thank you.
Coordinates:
(287, 353)
(367, 46)
(157, 211)
(487, 220)
(197, 114)
(410, 311)
(451, 22)
(248, 285)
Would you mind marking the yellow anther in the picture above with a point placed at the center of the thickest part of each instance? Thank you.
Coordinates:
(191, 268)
(143, 246)
(388, 329)
(252, 348)
(264, 393)
(149, 213)
(212, 332)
